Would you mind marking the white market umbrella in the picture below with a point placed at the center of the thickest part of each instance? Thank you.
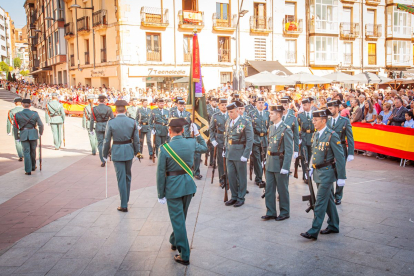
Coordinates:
(367, 77)
(340, 77)
(306, 78)
(266, 78)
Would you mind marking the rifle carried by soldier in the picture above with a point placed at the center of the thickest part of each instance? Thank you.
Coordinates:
(263, 159)
(214, 163)
(297, 162)
(311, 197)
(225, 183)
(208, 152)
(251, 166)
(153, 152)
(40, 152)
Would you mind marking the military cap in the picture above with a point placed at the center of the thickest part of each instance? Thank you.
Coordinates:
(231, 106)
(284, 100)
(160, 100)
(181, 102)
(334, 103)
(239, 103)
(260, 99)
(102, 97)
(18, 100)
(176, 99)
(289, 98)
(214, 99)
(306, 100)
(312, 99)
(237, 96)
(121, 103)
(144, 99)
(178, 122)
(90, 97)
(324, 113)
(251, 96)
(26, 101)
(223, 101)
(277, 108)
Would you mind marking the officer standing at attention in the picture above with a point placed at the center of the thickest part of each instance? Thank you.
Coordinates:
(159, 124)
(174, 108)
(260, 123)
(55, 117)
(306, 131)
(216, 130)
(252, 104)
(290, 119)
(86, 123)
(124, 133)
(342, 127)
(211, 109)
(101, 115)
(10, 130)
(328, 166)
(133, 109)
(175, 182)
(279, 156)
(238, 142)
(143, 117)
(180, 112)
(25, 132)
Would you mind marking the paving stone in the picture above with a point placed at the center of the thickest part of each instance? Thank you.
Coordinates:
(69, 267)
(16, 256)
(154, 228)
(147, 243)
(228, 267)
(59, 244)
(141, 261)
(35, 240)
(39, 262)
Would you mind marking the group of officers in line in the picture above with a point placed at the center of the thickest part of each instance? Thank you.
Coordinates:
(239, 132)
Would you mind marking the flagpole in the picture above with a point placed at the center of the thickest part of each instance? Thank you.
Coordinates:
(192, 84)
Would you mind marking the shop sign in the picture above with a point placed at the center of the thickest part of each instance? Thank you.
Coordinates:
(159, 71)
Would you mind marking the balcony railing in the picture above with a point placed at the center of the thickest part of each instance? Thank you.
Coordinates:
(153, 56)
(290, 57)
(398, 60)
(82, 24)
(373, 2)
(401, 30)
(59, 14)
(323, 26)
(69, 30)
(220, 24)
(87, 61)
(349, 30)
(187, 57)
(72, 60)
(191, 19)
(373, 31)
(260, 24)
(103, 55)
(292, 27)
(349, 1)
(153, 17)
(347, 59)
(323, 58)
(99, 18)
(224, 55)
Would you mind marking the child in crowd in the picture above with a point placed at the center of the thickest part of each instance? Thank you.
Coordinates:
(409, 122)
(379, 120)
(344, 110)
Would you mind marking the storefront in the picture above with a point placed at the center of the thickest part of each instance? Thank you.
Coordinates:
(161, 77)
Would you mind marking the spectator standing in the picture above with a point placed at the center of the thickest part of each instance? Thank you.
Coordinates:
(370, 115)
(398, 113)
(385, 113)
(356, 111)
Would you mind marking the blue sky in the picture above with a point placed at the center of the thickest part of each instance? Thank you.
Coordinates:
(16, 11)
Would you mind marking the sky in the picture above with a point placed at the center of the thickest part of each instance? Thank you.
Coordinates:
(16, 11)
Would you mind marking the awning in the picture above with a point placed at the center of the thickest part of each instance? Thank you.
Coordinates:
(299, 69)
(321, 73)
(269, 66)
(40, 70)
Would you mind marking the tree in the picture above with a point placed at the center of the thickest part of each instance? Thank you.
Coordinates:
(4, 67)
(17, 62)
(9, 77)
(24, 73)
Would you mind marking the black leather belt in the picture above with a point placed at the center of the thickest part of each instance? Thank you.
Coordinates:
(161, 124)
(278, 153)
(327, 163)
(343, 142)
(261, 134)
(219, 132)
(102, 121)
(175, 173)
(144, 124)
(231, 142)
(122, 142)
(27, 128)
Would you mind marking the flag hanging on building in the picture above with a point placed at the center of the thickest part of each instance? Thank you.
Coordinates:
(196, 100)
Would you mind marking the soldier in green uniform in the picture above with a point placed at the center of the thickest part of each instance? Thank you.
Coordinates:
(211, 109)
(238, 142)
(180, 112)
(55, 117)
(342, 126)
(124, 133)
(286, 102)
(216, 131)
(252, 104)
(306, 131)
(278, 161)
(10, 116)
(143, 119)
(175, 182)
(260, 123)
(86, 123)
(159, 124)
(328, 166)
(290, 119)
(174, 108)
(101, 115)
(133, 109)
(25, 132)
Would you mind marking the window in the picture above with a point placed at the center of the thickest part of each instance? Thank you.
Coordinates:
(225, 77)
(324, 50)
(400, 52)
(190, 5)
(324, 15)
(188, 47)
(290, 51)
(56, 43)
(223, 49)
(153, 47)
(398, 22)
(222, 10)
(259, 48)
(103, 49)
(372, 54)
(259, 16)
(348, 53)
(290, 12)
(87, 60)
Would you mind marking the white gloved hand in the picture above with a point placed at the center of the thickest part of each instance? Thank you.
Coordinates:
(214, 143)
(350, 158)
(310, 172)
(243, 159)
(223, 154)
(9, 134)
(105, 159)
(162, 200)
(300, 141)
(153, 132)
(139, 127)
(283, 171)
(194, 129)
(17, 140)
(91, 133)
(295, 155)
(341, 182)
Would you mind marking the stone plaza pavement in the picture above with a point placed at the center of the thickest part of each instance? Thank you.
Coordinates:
(89, 237)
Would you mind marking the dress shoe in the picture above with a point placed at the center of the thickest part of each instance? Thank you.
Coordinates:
(279, 218)
(103, 164)
(268, 217)
(120, 209)
(247, 191)
(34, 169)
(173, 247)
(29, 173)
(305, 181)
(308, 236)
(238, 204)
(94, 153)
(338, 202)
(328, 231)
(178, 259)
(56, 149)
(20, 159)
(230, 202)
(198, 177)
(150, 157)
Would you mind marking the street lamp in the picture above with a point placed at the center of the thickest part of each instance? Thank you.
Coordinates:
(240, 13)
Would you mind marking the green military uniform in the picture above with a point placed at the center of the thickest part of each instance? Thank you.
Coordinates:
(292, 122)
(124, 132)
(306, 132)
(132, 112)
(177, 186)
(211, 111)
(187, 116)
(24, 129)
(217, 129)
(55, 116)
(143, 119)
(86, 124)
(10, 129)
(101, 115)
(279, 156)
(159, 123)
(260, 123)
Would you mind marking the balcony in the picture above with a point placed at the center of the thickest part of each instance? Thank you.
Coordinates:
(154, 56)
(290, 57)
(347, 59)
(190, 20)
(399, 31)
(373, 31)
(398, 60)
(224, 55)
(373, 2)
(349, 1)
(260, 24)
(82, 25)
(87, 60)
(405, 2)
(323, 26)
(349, 31)
(72, 60)
(292, 27)
(154, 18)
(224, 25)
(99, 19)
(103, 55)
(69, 30)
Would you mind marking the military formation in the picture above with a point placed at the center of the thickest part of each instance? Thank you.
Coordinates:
(266, 138)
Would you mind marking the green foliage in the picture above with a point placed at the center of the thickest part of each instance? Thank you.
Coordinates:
(4, 67)
(17, 62)
(24, 73)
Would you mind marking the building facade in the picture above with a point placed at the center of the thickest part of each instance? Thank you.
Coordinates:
(6, 26)
(21, 47)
